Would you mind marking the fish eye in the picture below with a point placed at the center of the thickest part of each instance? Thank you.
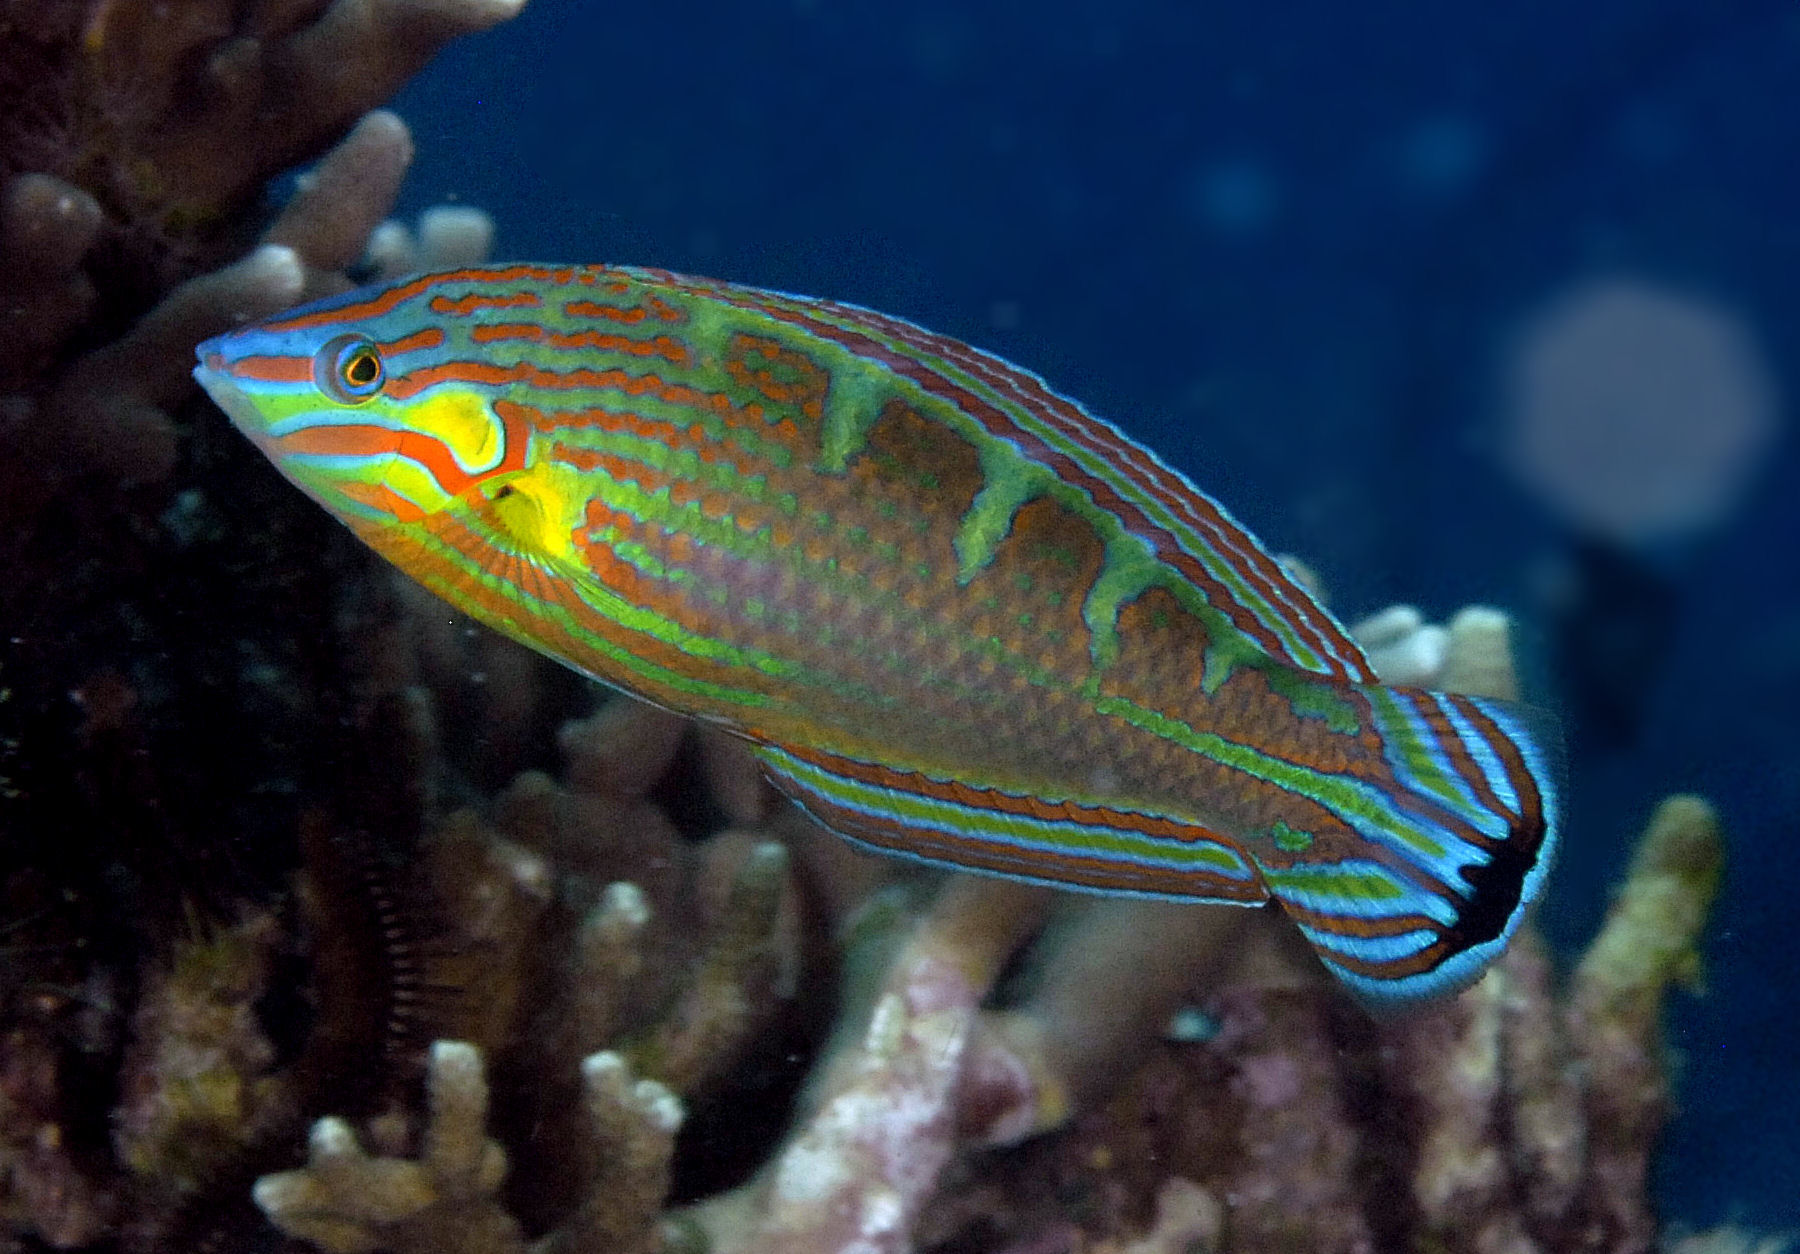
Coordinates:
(349, 368)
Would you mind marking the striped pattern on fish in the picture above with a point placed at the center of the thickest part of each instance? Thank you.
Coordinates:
(961, 618)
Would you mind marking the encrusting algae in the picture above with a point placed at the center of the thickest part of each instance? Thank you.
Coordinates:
(329, 921)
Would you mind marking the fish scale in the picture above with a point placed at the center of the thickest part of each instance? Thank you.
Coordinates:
(960, 618)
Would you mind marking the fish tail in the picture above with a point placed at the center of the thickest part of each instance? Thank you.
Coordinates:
(1452, 830)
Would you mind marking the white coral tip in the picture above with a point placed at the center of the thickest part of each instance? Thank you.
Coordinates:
(331, 1137)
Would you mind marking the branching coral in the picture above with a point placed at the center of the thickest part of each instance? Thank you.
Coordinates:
(885, 1119)
(347, 1201)
(174, 118)
(147, 749)
(1508, 1118)
(990, 1081)
(445, 1200)
(1490, 1122)
(1511, 1118)
(446, 236)
(136, 143)
(109, 406)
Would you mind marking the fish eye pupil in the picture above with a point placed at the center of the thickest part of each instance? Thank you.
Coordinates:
(349, 368)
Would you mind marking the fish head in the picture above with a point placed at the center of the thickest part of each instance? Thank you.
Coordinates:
(360, 413)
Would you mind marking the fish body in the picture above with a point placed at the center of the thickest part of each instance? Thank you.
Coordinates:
(961, 618)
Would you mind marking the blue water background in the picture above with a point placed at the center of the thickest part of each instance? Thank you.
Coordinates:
(1284, 245)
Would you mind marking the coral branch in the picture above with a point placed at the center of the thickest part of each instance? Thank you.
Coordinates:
(347, 1202)
(109, 409)
(1065, 1043)
(697, 1039)
(884, 1118)
(1615, 1003)
(329, 220)
(361, 51)
(631, 1128)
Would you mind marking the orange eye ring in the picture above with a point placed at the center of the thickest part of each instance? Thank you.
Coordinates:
(349, 369)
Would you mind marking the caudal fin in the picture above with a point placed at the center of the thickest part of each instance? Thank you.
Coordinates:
(1457, 824)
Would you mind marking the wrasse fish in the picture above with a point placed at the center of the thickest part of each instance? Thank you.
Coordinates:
(959, 617)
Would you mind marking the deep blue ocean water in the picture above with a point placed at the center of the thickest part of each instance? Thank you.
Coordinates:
(1292, 247)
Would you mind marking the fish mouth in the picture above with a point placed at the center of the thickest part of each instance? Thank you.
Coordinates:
(228, 396)
(300, 450)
